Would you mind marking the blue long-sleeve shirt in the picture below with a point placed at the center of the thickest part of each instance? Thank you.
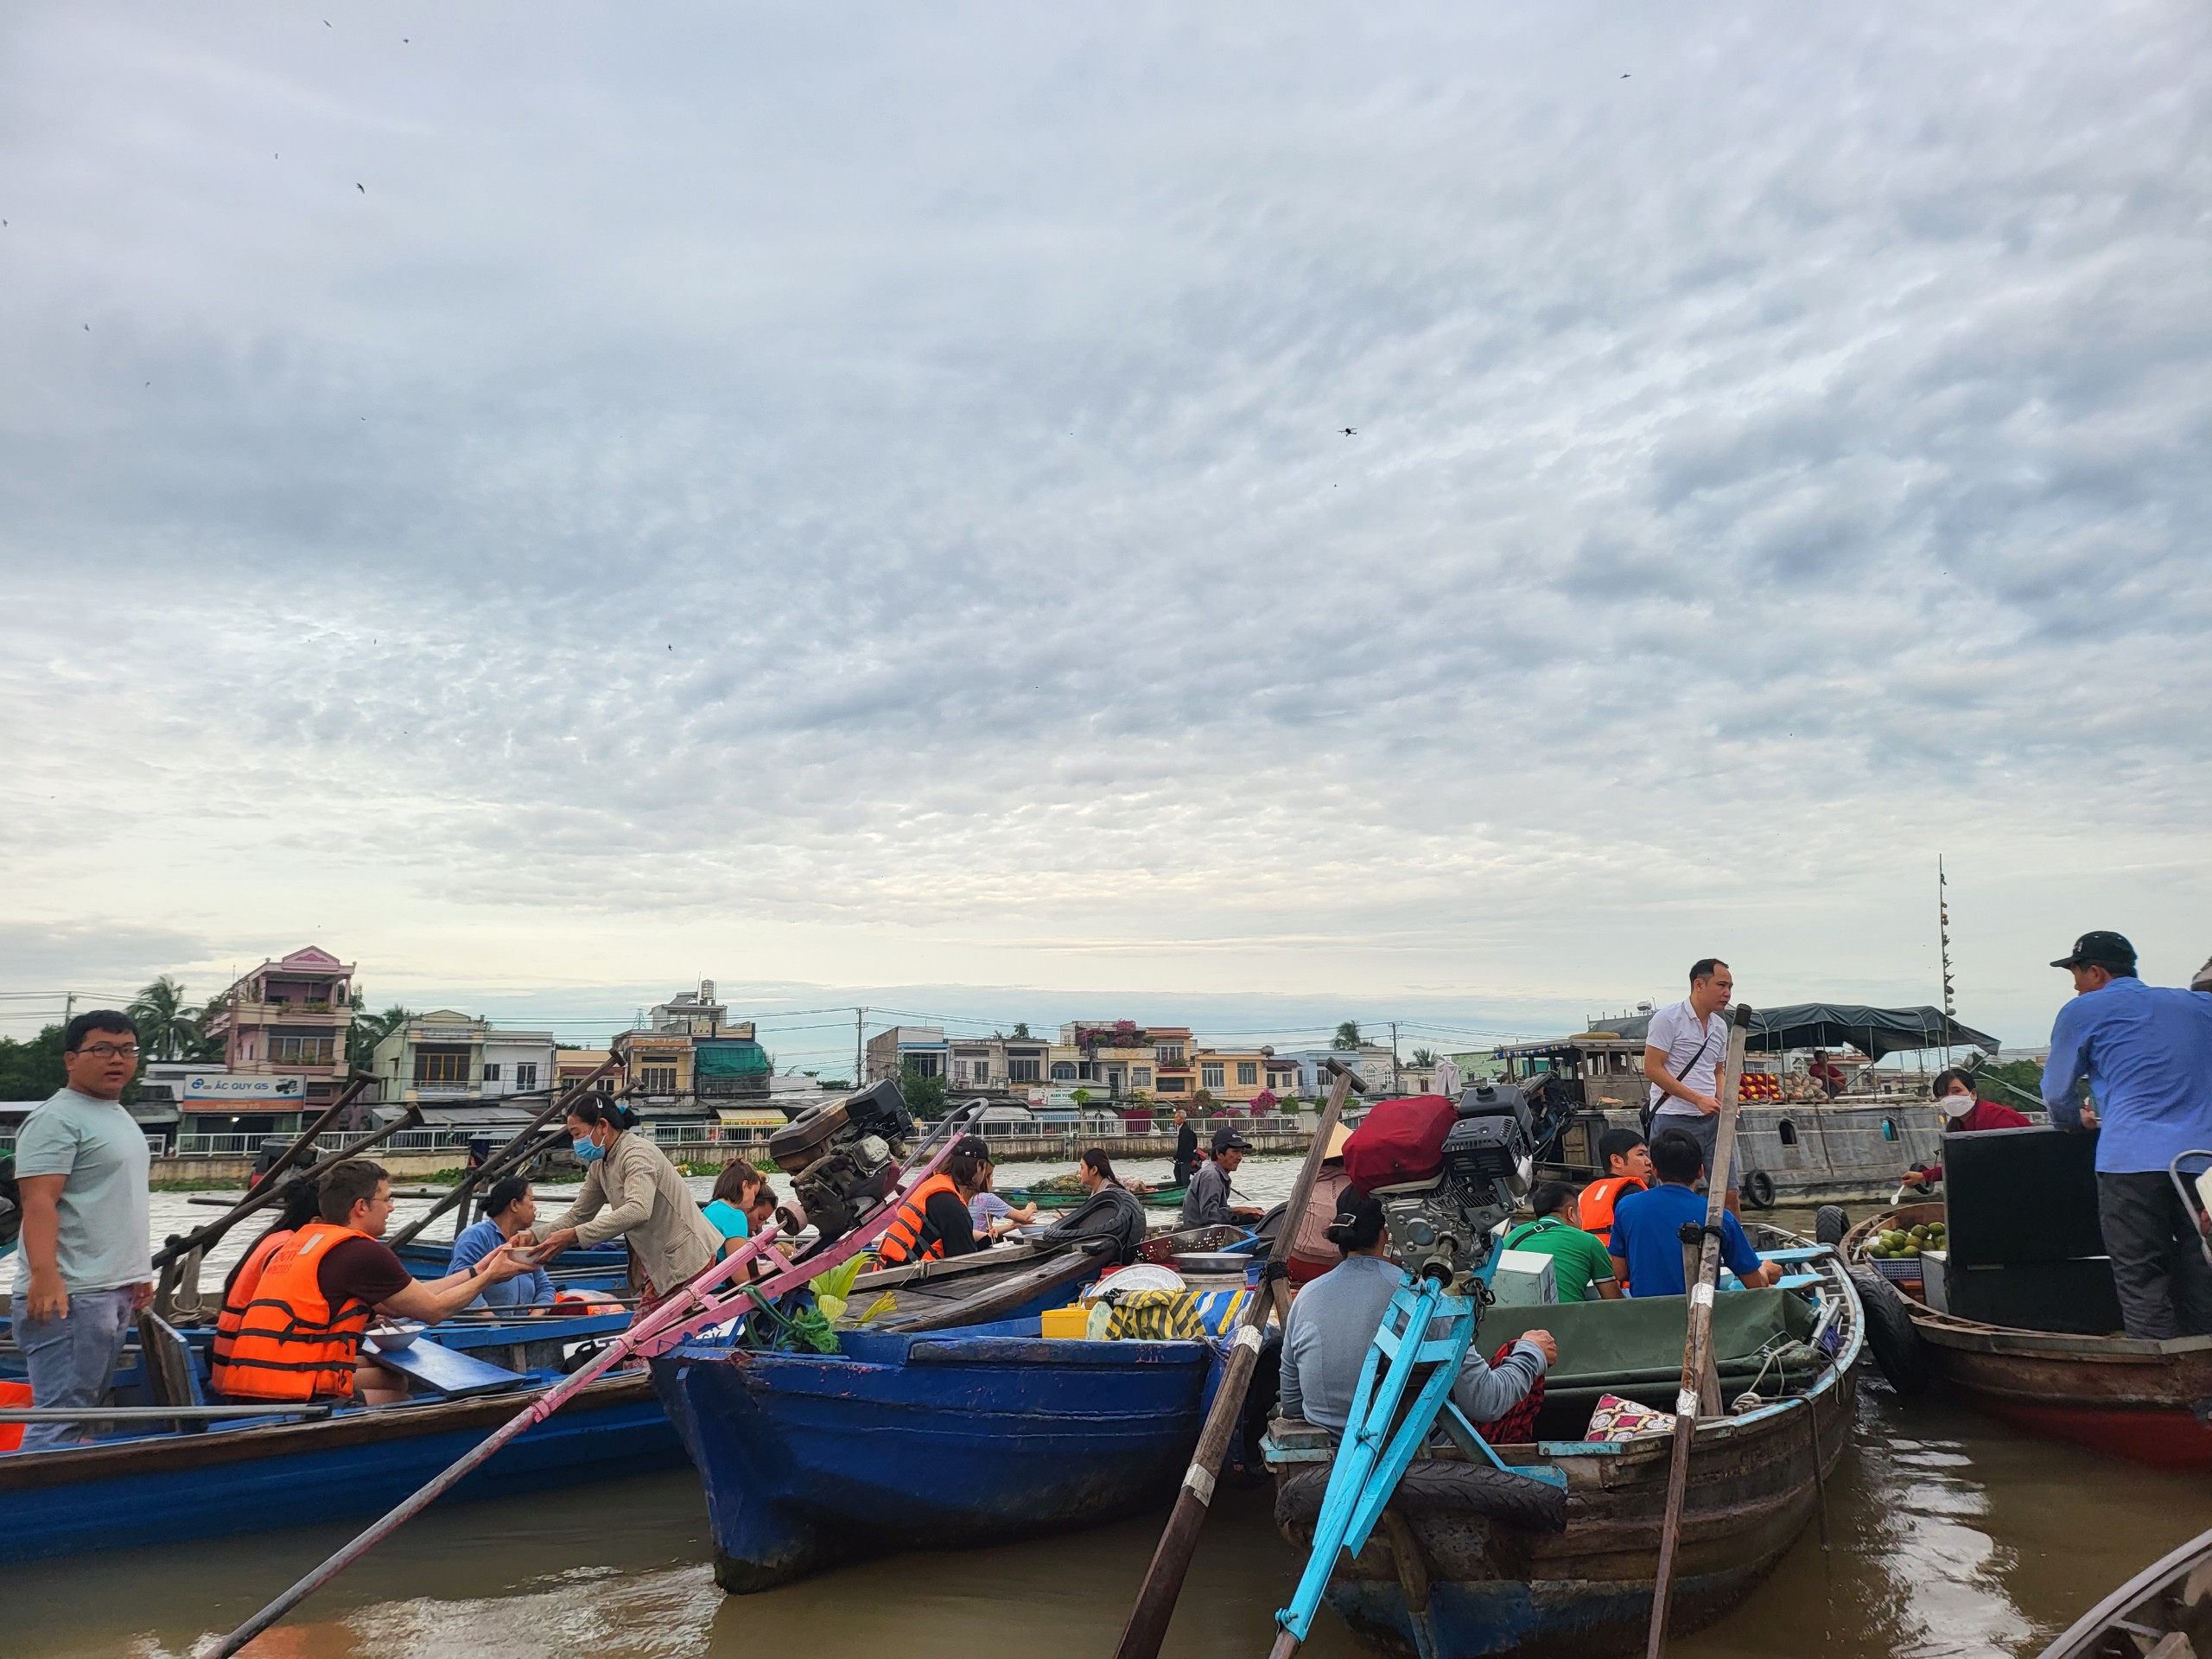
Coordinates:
(477, 1242)
(2146, 1051)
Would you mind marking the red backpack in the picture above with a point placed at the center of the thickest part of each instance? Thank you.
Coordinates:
(1399, 1142)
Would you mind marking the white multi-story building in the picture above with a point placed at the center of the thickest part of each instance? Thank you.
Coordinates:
(450, 1057)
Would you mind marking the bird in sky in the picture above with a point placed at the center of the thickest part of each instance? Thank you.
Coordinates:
(1351, 431)
(1624, 77)
(363, 188)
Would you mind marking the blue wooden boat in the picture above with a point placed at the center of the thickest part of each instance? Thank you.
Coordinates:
(266, 1472)
(602, 1267)
(1469, 1560)
(938, 1441)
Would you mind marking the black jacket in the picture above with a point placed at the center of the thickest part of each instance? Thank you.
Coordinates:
(1112, 1212)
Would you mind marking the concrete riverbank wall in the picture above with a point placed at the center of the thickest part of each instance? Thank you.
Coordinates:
(1009, 1144)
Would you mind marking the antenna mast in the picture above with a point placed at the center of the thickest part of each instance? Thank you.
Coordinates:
(1944, 938)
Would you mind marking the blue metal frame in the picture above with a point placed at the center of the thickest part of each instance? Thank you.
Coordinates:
(1371, 1459)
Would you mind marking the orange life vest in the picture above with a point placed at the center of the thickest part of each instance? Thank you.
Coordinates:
(240, 1293)
(1595, 1207)
(899, 1243)
(291, 1344)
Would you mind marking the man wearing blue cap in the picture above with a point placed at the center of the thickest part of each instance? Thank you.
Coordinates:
(2146, 1052)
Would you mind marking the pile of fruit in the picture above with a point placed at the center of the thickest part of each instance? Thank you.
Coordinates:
(1893, 1243)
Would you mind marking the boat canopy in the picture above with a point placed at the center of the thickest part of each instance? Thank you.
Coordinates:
(1876, 1033)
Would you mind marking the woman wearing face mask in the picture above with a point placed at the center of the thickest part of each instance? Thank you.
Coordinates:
(632, 1192)
(1953, 1092)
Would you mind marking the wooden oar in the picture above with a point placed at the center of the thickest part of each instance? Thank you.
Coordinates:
(511, 1153)
(270, 1191)
(1163, 1580)
(1699, 1396)
(685, 1313)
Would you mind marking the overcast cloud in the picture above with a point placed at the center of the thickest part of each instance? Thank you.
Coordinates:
(533, 498)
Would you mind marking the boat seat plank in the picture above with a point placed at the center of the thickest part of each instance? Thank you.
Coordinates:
(456, 1376)
(169, 1368)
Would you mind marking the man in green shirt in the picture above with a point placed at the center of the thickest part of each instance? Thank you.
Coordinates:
(1580, 1263)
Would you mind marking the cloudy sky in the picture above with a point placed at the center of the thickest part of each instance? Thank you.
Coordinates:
(552, 501)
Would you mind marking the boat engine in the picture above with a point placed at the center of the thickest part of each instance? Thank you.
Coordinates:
(1453, 1176)
(843, 1158)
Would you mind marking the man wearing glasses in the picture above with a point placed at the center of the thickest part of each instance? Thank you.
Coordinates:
(80, 1160)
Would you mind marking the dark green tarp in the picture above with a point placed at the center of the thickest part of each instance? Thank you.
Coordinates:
(1633, 1346)
(1877, 1032)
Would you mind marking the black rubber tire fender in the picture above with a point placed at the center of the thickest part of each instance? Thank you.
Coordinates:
(1434, 1486)
(1830, 1223)
(1758, 1190)
(1897, 1347)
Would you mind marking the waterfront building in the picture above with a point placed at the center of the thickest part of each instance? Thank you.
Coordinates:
(446, 1057)
(689, 1061)
(572, 1066)
(920, 1047)
(192, 1102)
(1117, 1059)
(289, 1017)
(1242, 1077)
(1000, 1064)
(1374, 1063)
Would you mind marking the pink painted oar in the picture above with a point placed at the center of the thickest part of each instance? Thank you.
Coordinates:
(685, 1313)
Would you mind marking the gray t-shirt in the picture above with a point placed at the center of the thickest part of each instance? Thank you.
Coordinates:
(1677, 1029)
(1333, 1325)
(1205, 1200)
(105, 1237)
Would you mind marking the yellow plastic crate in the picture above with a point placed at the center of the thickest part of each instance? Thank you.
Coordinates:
(1066, 1321)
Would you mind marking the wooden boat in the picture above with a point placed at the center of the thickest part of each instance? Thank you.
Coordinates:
(604, 1267)
(1163, 1198)
(2133, 1399)
(265, 1473)
(1471, 1560)
(940, 1441)
(1010, 1281)
(2165, 1611)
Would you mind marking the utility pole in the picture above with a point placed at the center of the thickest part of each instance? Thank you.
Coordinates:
(1943, 938)
(68, 1007)
(1394, 1057)
(860, 1051)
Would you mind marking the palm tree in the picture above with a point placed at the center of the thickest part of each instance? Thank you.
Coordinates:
(1424, 1058)
(370, 1029)
(1347, 1038)
(168, 1029)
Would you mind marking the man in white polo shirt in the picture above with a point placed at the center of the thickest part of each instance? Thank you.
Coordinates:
(1681, 1057)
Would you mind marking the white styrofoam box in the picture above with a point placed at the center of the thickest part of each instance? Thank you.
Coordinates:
(1524, 1278)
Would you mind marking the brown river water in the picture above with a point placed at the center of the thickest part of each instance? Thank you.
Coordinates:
(1948, 1534)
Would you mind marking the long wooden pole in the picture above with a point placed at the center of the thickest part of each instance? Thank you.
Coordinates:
(1699, 1395)
(269, 1192)
(1171, 1560)
(684, 1312)
(496, 1163)
(264, 1191)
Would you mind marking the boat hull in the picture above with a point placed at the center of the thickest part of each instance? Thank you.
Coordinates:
(1465, 1562)
(927, 1442)
(2150, 1403)
(2142, 1401)
(1478, 1585)
(226, 1482)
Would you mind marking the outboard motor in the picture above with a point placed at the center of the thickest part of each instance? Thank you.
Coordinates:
(843, 1158)
(1446, 1175)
